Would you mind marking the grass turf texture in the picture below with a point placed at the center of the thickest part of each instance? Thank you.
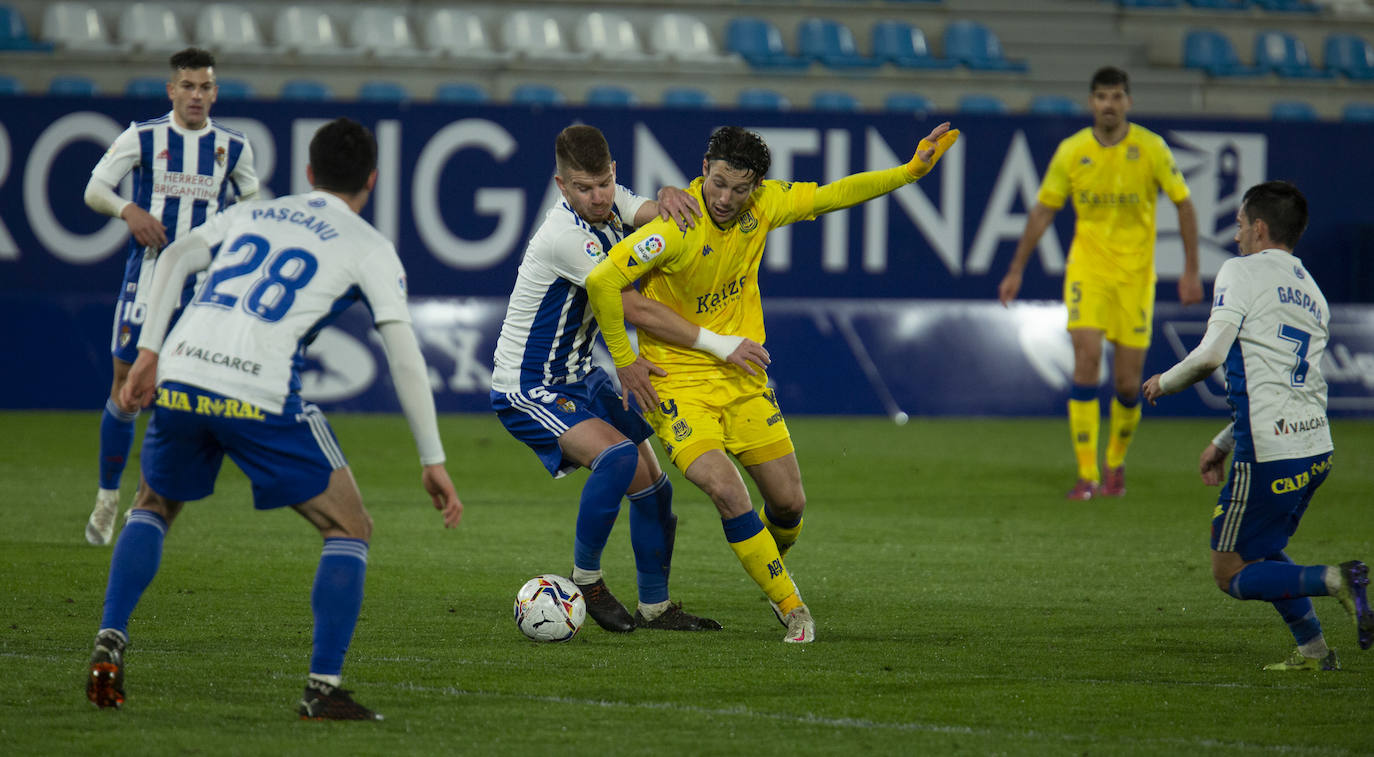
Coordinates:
(962, 605)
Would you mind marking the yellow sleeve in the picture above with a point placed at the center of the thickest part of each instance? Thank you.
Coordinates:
(1054, 189)
(1167, 174)
(625, 263)
(860, 187)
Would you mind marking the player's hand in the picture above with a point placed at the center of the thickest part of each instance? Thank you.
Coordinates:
(147, 230)
(679, 207)
(1151, 389)
(1212, 466)
(1190, 289)
(930, 149)
(1009, 288)
(440, 488)
(634, 381)
(140, 387)
(750, 351)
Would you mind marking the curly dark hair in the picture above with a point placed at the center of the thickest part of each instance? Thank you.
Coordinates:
(741, 148)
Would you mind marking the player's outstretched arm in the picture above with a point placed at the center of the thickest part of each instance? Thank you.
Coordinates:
(1197, 365)
(1039, 219)
(862, 187)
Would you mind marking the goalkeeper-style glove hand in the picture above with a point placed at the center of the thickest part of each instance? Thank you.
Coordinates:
(920, 166)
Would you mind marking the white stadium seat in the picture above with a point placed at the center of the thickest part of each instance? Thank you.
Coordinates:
(229, 27)
(152, 27)
(77, 27)
(536, 35)
(612, 37)
(309, 31)
(385, 33)
(459, 34)
(685, 38)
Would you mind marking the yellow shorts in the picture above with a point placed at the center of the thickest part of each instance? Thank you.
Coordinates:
(1123, 310)
(739, 417)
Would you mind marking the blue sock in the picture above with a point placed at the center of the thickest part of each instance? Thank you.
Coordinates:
(336, 600)
(137, 555)
(1083, 392)
(780, 521)
(612, 472)
(1300, 617)
(1129, 402)
(116, 440)
(1273, 579)
(653, 529)
(741, 527)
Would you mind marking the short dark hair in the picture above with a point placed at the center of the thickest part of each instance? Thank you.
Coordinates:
(1282, 208)
(582, 148)
(191, 58)
(741, 148)
(1110, 76)
(343, 154)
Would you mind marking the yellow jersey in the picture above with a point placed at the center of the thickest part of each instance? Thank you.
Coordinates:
(1114, 190)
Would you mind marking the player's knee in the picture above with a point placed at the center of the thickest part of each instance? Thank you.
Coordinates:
(1223, 575)
(618, 460)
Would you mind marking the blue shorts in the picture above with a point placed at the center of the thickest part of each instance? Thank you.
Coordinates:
(289, 458)
(130, 312)
(1261, 504)
(538, 415)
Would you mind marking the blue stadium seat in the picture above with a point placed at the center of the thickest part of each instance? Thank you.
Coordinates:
(1209, 50)
(235, 89)
(1149, 3)
(1358, 112)
(1056, 105)
(975, 46)
(610, 96)
(305, 89)
(1292, 110)
(686, 97)
(536, 94)
(383, 92)
(10, 85)
(151, 87)
(981, 104)
(1220, 5)
(762, 99)
(72, 86)
(1286, 56)
(454, 92)
(1288, 6)
(760, 44)
(904, 45)
(14, 33)
(832, 99)
(1349, 55)
(831, 43)
(907, 102)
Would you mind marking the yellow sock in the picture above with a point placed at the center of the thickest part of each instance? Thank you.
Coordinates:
(759, 556)
(1084, 418)
(783, 537)
(1124, 421)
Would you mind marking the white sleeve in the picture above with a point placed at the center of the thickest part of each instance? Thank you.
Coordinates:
(122, 156)
(628, 203)
(573, 253)
(245, 176)
(1204, 359)
(1232, 293)
(411, 378)
(102, 198)
(185, 256)
(1225, 439)
(383, 281)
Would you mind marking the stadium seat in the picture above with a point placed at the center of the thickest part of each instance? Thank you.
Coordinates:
(904, 45)
(224, 27)
(907, 102)
(832, 99)
(14, 33)
(1349, 55)
(981, 104)
(306, 89)
(385, 33)
(383, 92)
(151, 27)
(308, 30)
(459, 34)
(758, 98)
(686, 97)
(10, 85)
(608, 36)
(975, 46)
(1221, 5)
(1056, 105)
(1149, 3)
(611, 96)
(148, 87)
(77, 27)
(235, 89)
(760, 44)
(72, 86)
(1286, 56)
(832, 44)
(681, 37)
(460, 93)
(1358, 112)
(1292, 110)
(536, 94)
(536, 35)
(1287, 6)
(1209, 50)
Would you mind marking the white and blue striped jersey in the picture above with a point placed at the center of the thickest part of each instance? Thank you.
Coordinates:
(181, 176)
(286, 268)
(1274, 381)
(548, 333)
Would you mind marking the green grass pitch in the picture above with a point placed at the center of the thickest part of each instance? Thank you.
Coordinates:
(963, 606)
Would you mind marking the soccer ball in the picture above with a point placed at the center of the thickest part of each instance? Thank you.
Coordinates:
(549, 608)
